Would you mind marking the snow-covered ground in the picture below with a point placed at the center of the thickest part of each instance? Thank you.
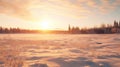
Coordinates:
(64, 50)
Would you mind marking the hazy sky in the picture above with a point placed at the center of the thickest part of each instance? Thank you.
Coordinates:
(33, 14)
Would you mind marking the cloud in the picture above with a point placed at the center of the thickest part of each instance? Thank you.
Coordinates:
(107, 6)
(62, 8)
(102, 6)
(69, 8)
(17, 8)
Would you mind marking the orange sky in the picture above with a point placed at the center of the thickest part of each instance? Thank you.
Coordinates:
(57, 14)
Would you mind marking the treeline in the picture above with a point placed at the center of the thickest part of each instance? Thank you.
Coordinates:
(103, 29)
(4, 30)
(16, 30)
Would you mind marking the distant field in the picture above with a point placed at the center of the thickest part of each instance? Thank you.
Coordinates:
(59, 50)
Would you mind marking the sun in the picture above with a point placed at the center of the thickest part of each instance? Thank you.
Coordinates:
(45, 25)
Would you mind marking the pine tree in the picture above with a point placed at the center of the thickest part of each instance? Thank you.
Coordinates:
(119, 24)
(69, 28)
(115, 23)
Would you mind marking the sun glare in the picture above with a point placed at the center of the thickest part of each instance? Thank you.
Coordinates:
(45, 25)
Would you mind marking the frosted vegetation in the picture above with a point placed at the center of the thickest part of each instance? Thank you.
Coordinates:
(54, 50)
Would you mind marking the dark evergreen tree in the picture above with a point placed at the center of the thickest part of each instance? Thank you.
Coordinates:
(1, 30)
(69, 28)
(115, 24)
(119, 24)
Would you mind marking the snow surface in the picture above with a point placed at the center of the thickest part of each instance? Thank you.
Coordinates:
(66, 50)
